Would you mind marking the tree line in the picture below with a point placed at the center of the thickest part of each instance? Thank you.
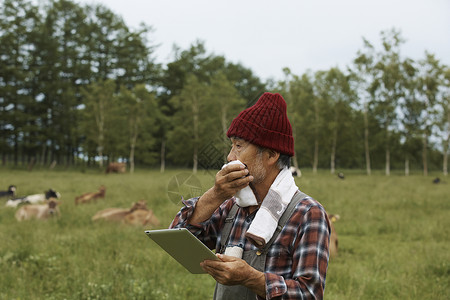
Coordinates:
(79, 87)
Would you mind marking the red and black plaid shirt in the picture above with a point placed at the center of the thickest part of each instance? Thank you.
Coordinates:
(297, 261)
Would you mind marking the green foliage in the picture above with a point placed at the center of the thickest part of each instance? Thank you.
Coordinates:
(52, 53)
(393, 239)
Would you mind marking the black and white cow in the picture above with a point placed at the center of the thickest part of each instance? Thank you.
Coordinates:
(295, 171)
(10, 193)
(33, 199)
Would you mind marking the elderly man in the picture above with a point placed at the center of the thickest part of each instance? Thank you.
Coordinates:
(272, 240)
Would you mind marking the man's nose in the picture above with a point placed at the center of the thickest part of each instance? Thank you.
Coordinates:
(231, 156)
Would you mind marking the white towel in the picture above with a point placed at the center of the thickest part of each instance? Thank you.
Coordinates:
(272, 208)
(244, 197)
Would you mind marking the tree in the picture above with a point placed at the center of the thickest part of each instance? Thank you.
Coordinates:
(387, 88)
(191, 116)
(411, 110)
(333, 87)
(361, 78)
(444, 120)
(430, 76)
(139, 107)
(61, 69)
(99, 103)
(227, 99)
(204, 66)
(292, 91)
(304, 115)
(18, 107)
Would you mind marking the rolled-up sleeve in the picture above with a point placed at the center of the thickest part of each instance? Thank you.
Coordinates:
(206, 231)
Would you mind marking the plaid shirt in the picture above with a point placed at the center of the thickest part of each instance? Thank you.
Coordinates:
(297, 261)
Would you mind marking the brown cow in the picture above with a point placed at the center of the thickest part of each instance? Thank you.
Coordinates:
(88, 197)
(116, 167)
(118, 214)
(333, 236)
(141, 217)
(38, 211)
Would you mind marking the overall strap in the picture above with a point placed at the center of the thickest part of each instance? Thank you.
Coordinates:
(227, 227)
(298, 196)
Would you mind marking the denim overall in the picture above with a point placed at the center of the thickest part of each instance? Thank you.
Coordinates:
(255, 258)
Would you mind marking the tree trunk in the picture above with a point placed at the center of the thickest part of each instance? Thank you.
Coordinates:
(406, 166)
(224, 131)
(316, 155)
(132, 159)
(100, 120)
(333, 152)
(43, 154)
(133, 144)
(425, 154)
(16, 150)
(445, 163)
(445, 158)
(132, 148)
(195, 111)
(366, 139)
(446, 144)
(388, 162)
(100, 154)
(294, 160)
(195, 157)
(163, 156)
(316, 137)
(388, 153)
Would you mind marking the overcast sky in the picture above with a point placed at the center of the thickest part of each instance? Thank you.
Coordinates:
(267, 36)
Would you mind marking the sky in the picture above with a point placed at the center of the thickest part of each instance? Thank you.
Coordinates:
(267, 36)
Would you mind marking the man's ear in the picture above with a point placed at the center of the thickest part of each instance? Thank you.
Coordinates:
(272, 156)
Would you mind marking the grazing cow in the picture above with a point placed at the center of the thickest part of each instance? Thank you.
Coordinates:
(9, 193)
(141, 217)
(333, 236)
(33, 199)
(38, 211)
(116, 167)
(295, 171)
(118, 214)
(88, 197)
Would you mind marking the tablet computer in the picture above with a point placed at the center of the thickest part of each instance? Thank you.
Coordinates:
(183, 246)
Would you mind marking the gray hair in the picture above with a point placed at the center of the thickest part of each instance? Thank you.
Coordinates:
(284, 161)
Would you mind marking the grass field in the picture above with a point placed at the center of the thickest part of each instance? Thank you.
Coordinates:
(394, 238)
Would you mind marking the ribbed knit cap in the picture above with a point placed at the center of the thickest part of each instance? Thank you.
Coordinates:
(265, 124)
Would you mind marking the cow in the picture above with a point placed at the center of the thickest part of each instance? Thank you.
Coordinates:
(88, 197)
(341, 175)
(116, 167)
(33, 199)
(295, 171)
(39, 211)
(141, 217)
(118, 214)
(333, 236)
(10, 193)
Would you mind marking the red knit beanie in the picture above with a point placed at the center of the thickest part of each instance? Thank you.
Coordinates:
(265, 124)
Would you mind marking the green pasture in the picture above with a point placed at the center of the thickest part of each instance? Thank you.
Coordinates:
(394, 238)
